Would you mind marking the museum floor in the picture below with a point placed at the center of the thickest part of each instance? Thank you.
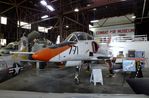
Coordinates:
(54, 79)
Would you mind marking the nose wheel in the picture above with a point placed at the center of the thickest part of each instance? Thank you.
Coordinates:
(76, 78)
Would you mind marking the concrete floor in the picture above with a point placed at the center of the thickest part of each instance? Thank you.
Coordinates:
(53, 79)
(23, 94)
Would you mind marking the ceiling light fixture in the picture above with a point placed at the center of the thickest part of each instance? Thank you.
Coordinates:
(76, 10)
(94, 21)
(67, 26)
(133, 17)
(50, 8)
(45, 16)
(88, 4)
(43, 2)
(123, 0)
(49, 28)
(94, 9)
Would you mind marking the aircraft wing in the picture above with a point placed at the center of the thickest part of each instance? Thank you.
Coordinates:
(101, 56)
(21, 52)
(98, 58)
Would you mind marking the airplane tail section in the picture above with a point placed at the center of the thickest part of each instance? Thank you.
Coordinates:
(58, 39)
(23, 48)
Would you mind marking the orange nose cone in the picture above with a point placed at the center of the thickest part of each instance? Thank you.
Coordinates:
(35, 56)
(43, 55)
(47, 54)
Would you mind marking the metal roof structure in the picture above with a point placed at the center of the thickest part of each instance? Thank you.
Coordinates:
(64, 20)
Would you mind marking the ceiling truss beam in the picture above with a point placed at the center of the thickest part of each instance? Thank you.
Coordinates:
(72, 20)
(14, 5)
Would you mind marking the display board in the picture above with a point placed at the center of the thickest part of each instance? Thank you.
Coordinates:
(139, 54)
(129, 65)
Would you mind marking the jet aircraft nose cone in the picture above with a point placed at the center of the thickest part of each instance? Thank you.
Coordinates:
(46, 54)
(42, 55)
(35, 56)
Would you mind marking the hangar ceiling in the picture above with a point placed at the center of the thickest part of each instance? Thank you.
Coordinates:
(31, 11)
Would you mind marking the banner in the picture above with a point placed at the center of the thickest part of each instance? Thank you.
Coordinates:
(114, 31)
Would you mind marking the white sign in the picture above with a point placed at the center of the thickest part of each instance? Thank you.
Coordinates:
(120, 31)
(115, 30)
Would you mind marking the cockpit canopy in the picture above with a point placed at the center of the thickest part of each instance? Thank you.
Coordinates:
(78, 36)
(73, 38)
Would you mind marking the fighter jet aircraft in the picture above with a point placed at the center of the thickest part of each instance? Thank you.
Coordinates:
(73, 51)
(77, 47)
(13, 46)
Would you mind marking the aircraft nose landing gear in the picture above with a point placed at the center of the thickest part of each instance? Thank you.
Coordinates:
(76, 78)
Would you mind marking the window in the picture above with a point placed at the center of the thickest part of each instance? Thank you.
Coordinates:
(3, 42)
(73, 39)
(24, 25)
(3, 20)
(42, 29)
(81, 36)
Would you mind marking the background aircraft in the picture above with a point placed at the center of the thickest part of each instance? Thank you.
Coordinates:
(10, 56)
(13, 46)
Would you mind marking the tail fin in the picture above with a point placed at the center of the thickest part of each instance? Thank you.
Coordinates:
(58, 39)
